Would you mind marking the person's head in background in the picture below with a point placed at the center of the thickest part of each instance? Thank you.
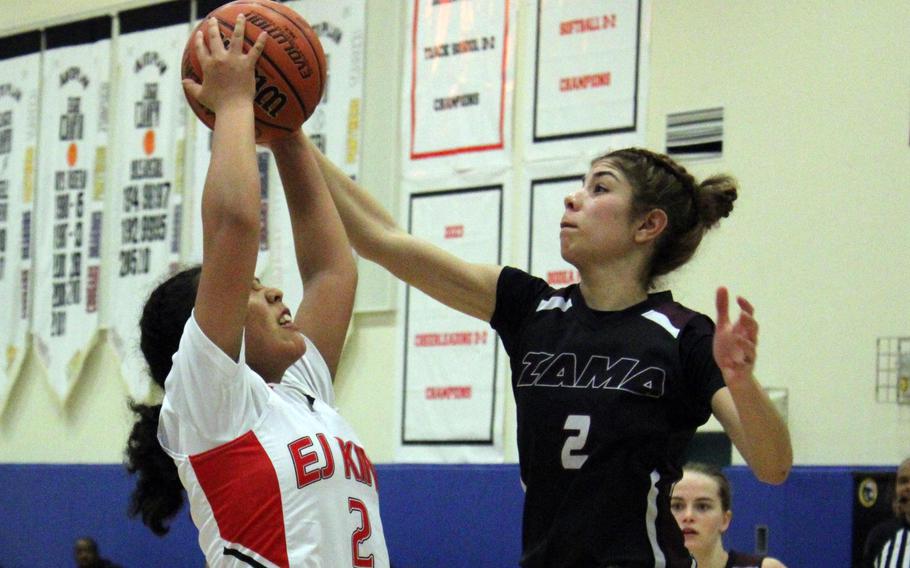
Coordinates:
(902, 491)
(701, 503)
(86, 552)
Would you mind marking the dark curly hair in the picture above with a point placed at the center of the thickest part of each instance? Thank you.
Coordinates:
(158, 495)
(692, 207)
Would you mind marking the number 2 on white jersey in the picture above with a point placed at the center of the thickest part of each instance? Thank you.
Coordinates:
(361, 534)
(580, 423)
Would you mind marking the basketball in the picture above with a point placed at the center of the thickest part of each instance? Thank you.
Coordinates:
(290, 73)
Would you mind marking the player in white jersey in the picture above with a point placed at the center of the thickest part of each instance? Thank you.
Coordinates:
(273, 474)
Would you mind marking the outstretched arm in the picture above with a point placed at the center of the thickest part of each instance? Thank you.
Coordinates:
(743, 408)
(321, 246)
(467, 287)
(230, 198)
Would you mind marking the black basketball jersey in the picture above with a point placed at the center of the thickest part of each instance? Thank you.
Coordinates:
(736, 559)
(606, 405)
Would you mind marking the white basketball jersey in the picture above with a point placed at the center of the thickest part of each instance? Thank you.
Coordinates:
(274, 475)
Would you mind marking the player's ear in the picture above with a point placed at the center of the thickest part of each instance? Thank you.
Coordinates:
(650, 226)
(728, 516)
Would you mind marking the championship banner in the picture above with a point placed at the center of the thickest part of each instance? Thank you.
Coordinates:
(334, 126)
(452, 385)
(459, 70)
(70, 197)
(146, 195)
(544, 188)
(20, 64)
(588, 75)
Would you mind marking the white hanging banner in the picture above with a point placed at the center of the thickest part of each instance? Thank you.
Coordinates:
(544, 188)
(197, 166)
(146, 194)
(200, 153)
(458, 83)
(18, 139)
(334, 126)
(452, 367)
(587, 77)
(69, 208)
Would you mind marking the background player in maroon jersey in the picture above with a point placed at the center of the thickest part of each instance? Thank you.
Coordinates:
(610, 381)
(702, 505)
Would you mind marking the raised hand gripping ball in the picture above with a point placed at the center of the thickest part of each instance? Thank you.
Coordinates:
(290, 74)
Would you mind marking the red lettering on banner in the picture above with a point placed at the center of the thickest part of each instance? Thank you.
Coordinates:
(589, 24)
(454, 338)
(454, 231)
(562, 277)
(449, 393)
(581, 82)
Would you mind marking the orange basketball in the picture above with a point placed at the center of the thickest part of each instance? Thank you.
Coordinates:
(290, 74)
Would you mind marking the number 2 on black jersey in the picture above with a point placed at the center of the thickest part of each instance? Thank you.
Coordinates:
(571, 458)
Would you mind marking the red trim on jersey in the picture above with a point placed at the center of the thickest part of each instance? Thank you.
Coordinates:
(241, 486)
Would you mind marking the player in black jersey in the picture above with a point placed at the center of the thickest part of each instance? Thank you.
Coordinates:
(610, 382)
(701, 503)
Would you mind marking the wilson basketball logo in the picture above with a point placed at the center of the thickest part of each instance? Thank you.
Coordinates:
(290, 73)
(285, 39)
(268, 97)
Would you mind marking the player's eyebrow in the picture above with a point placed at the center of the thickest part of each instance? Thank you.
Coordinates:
(604, 173)
(600, 174)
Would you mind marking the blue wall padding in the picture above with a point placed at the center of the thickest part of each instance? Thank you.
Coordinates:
(45, 508)
(451, 515)
(809, 518)
(434, 515)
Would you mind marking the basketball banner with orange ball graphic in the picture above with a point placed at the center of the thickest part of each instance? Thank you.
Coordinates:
(146, 210)
(70, 198)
